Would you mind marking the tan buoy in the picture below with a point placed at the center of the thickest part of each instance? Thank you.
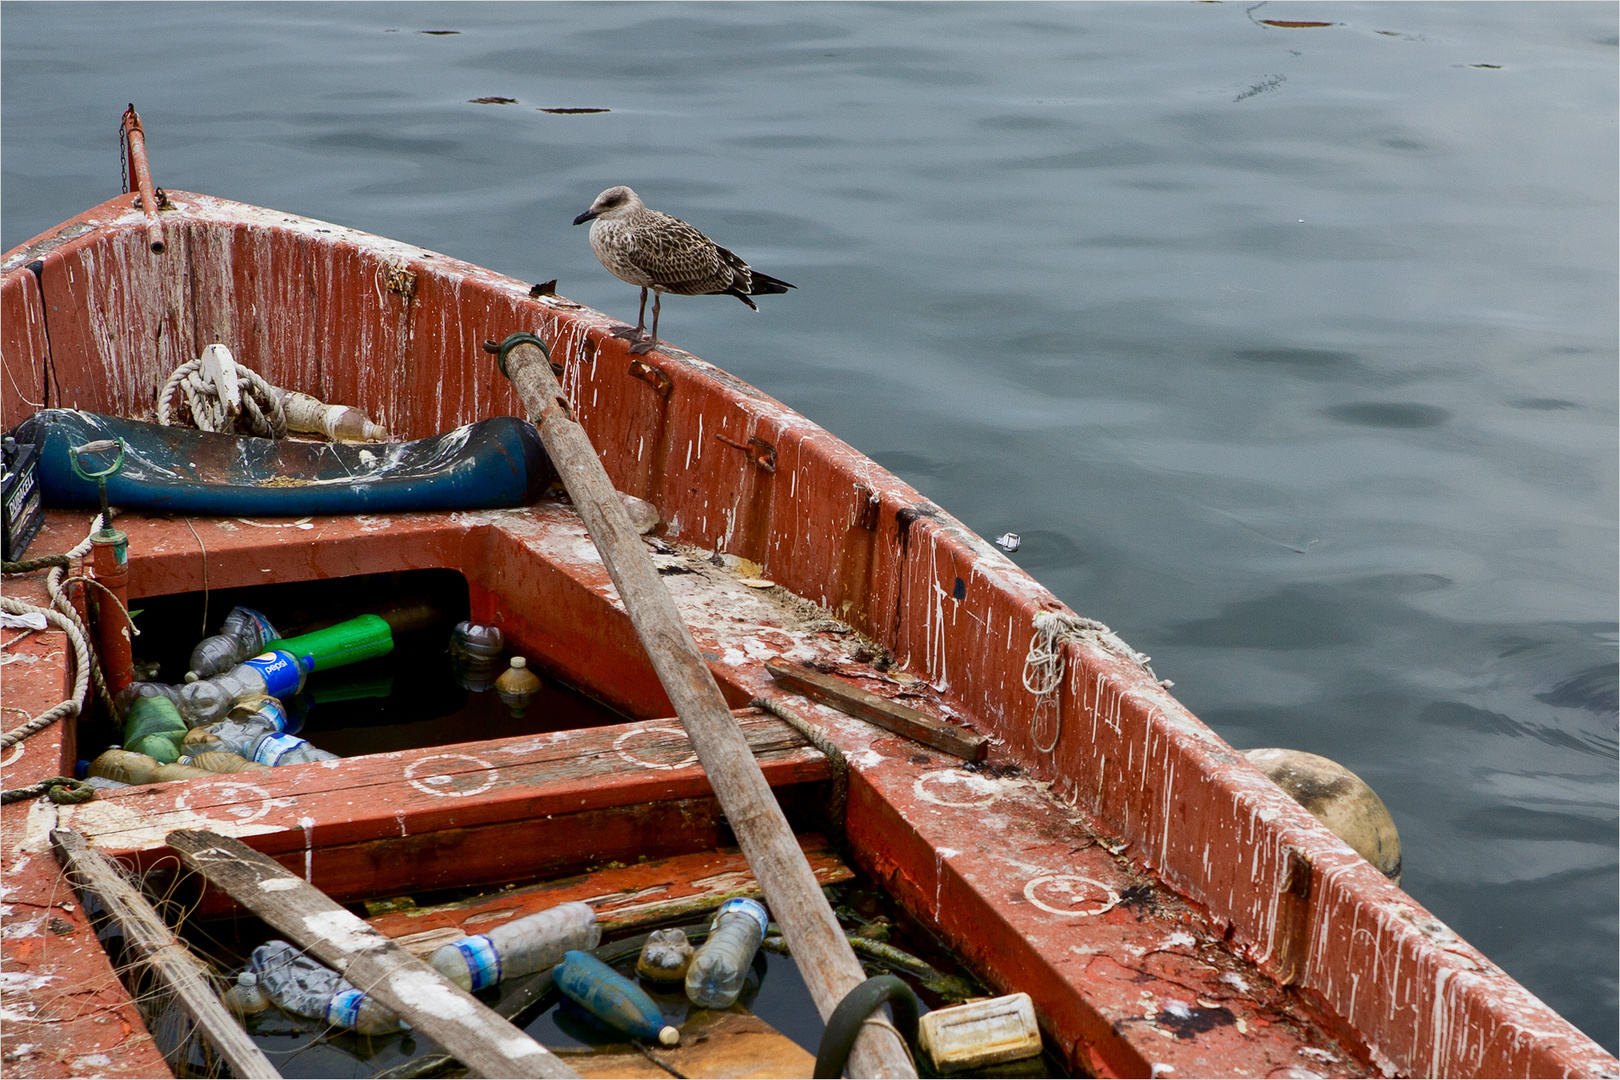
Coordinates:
(1339, 799)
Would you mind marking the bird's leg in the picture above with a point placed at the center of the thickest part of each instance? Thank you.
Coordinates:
(641, 320)
(649, 344)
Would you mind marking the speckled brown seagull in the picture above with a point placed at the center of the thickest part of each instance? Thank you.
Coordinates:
(666, 255)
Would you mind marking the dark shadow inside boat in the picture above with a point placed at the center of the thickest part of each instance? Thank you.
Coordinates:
(415, 696)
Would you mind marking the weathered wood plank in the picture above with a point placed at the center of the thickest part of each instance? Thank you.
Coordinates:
(723, 1045)
(826, 961)
(144, 929)
(623, 897)
(464, 1026)
(413, 792)
(886, 714)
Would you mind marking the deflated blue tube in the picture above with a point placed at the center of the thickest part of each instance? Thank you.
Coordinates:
(498, 462)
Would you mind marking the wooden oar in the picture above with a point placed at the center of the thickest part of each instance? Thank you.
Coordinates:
(825, 958)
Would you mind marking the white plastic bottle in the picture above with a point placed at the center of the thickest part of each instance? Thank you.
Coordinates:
(245, 997)
(716, 975)
(304, 987)
(244, 633)
(272, 674)
(520, 947)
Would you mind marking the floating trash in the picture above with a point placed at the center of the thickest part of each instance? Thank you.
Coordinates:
(1009, 542)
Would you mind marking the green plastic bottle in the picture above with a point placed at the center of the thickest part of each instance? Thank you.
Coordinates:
(360, 638)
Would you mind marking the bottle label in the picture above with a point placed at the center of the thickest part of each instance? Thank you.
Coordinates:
(281, 673)
(344, 1009)
(270, 712)
(483, 962)
(275, 746)
(744, 906)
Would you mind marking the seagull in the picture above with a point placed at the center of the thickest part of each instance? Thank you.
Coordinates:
(666, 255)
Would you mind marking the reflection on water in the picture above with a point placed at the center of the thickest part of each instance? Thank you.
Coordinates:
(1290, 351)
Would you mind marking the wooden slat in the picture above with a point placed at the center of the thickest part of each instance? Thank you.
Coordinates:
(886, 714)
(413, 792)
(477, 1036)
(623, 897)
(95, 875)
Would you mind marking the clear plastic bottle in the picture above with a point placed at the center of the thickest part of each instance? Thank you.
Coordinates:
(304, 987)
(475, 643)
(137, 690)
(665, 956)
(273, 748)
(272, 674)
(244, 633)
(520, 947)
(716, 976)
(245, 998)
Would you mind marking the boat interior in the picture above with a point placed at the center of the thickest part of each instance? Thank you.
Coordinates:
(1170, 911)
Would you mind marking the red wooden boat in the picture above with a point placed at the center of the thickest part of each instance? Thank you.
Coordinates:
(1170, 911)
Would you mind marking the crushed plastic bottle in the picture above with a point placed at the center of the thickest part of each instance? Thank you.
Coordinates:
(612, 998)
(716, 975)
(665, 956)
(226, 737)
(304, 987)
(221, 762)
(137, 690)
(245, 998)
(244, 633)
(271, 674)
(153, 726)
(268, 712)
(520, 947)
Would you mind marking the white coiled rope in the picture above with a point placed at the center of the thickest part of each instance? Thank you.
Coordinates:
(64, 617)
(1043, 666)
(247, 400)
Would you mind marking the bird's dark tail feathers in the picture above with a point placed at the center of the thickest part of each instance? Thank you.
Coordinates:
(765, 285)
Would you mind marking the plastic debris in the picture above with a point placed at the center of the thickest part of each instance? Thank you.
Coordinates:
(716, 974)
(520, 947)
(1009, 542)
(612, 998)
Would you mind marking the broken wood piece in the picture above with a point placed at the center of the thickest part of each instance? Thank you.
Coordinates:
(717, 1045)
(466, 1028)
(151, 939)
(888, 715)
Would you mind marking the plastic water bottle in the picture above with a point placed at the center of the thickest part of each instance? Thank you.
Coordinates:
(665, 956)
(244, 633)
(474, 643)
(716, 976)
(273, 748)
(221, 762)
(304, 987)
(272, 674)
(226, 737)
(245, 998)
(137, 690)
(612, 998)
(268, 712)
(520, 947)
(152, 725)
(128, 767)
(517, 685)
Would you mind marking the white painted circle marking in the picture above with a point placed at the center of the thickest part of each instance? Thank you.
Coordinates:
(618, 747)
(441, 784)
(1071, 890)
(954, 787)
(236, 792)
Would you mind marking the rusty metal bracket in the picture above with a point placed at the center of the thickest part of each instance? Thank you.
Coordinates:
(653, 377)
(760, 452)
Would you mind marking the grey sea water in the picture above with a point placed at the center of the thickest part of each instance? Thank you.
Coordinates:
(1290, 352)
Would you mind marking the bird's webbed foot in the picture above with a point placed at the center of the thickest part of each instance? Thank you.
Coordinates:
(630, 333)
(646, 345)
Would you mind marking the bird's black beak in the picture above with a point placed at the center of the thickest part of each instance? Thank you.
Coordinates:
(583, 218)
